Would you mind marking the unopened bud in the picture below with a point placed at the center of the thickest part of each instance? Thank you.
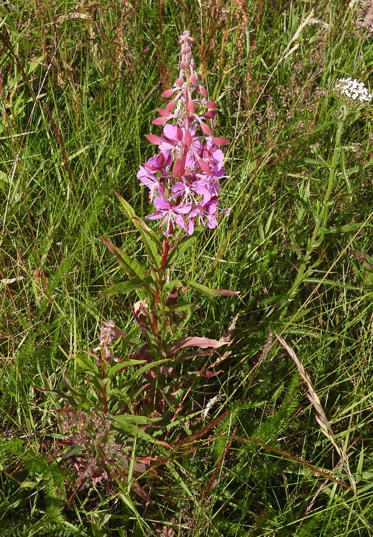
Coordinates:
(167, 93)
(170, 106)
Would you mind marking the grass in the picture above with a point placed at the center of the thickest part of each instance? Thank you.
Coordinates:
(79, 86)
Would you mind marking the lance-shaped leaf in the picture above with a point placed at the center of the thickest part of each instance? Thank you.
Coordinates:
(122, 365)
(123, 288)
(207, 291)
(193, 341)
(137, 420)
(135, 431)
(150, 239)
(131, 267)
(180, 248)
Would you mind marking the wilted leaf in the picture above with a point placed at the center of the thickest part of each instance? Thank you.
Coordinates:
(200, 342)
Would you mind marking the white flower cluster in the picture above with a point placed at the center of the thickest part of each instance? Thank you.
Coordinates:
(353, 89)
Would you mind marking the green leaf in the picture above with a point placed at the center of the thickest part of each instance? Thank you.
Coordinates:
(207, 291)
(136, 431)
(123, 288)
(131, 267)
(150, 239)
(169, 286)
(132, 418)
(117, 367)
(86, 363)
(180, 249)
(146, 367)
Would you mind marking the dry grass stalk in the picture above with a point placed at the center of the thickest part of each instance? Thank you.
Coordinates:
(312, 396)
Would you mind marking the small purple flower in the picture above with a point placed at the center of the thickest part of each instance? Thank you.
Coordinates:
(172, 213)
(189, 191)
(206, 213)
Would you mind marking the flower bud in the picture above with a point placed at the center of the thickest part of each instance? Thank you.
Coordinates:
(167, 93)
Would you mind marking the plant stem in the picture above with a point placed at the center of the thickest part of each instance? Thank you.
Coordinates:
(322, 218)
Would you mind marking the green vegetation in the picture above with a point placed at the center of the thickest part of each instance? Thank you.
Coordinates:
(287, 448)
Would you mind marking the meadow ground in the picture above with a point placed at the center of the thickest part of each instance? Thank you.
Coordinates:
(276, 438)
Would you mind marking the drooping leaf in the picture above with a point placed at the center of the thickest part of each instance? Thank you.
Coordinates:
(200, 342)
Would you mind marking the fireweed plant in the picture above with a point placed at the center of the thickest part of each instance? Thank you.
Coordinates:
(141, 394)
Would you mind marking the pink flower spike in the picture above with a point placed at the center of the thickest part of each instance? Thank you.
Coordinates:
(206, 129)
(167, 93)
(212, 104)
(153, 139)
(179, 82)
(163, 112)
(220, 141)
(203, 91)
(193, 79)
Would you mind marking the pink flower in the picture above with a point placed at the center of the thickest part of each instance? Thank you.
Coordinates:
(109, 334)
(205, 213)
(183, 179)
(172, 213)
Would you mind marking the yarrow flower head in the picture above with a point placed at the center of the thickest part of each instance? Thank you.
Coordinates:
(354, 90)
(183, 178)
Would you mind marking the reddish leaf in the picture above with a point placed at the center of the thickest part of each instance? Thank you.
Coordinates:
(212, 104)
(193, 341)
(203, 91)
(208, 291)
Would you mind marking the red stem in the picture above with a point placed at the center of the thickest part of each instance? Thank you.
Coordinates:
(166, 249)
